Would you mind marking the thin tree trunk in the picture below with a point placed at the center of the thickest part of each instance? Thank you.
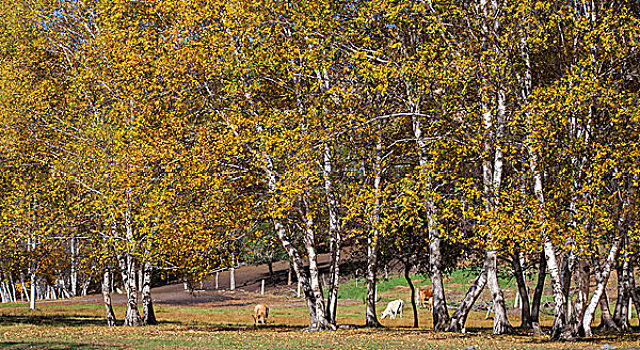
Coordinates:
(459, 318)
(73, 274)
(492, 168)
(620, 316)
(568, 264)
(501, 323)
(335, 237)
(34, 287)
(332, 302)
(407, 270)
(3, 293)
(579, 308)
(372, 240)
(292, 251)
(13, 288)
(372, 265)
(271, 275)
(128, 272)
(601, 279)
(24, 288)
(232, 273)
(440, 311)
(309, 240)
(560, 320)
(518, 272)
(537, 294)
(633, 292)
(139, 279)
(85, 286)
(106, 294)
(301, 274)
(606, 321)
(148, 314)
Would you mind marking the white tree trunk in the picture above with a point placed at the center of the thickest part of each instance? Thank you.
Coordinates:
(24, 288)
(309, 242)
(459, 317)
(3, 293)
(335, 237)
(620, 315)
(633, 291)
(560, 321)
(601, 278)
(492, 179)
(128, 273)
(501, 323)
(582, 282)
(292, 251)
(232, 273)
(73, 273)
(106, 295)
(440, 312)
(298, 267)
(34, 287)
(372, 265)
(13, 289)
(372, 239)
(148, 314)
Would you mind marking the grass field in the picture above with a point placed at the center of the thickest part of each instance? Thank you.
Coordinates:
(228, 325)
(57, 326)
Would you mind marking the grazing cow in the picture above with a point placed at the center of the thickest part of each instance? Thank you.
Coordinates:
(260, 314)
(393, 308)
(424, 297)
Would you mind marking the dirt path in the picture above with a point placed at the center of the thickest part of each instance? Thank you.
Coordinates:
(248, 283)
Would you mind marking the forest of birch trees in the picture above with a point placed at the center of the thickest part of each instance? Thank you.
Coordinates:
(146, 137)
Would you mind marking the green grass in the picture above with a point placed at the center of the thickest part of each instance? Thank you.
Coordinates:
(348, 290)
(458, 280)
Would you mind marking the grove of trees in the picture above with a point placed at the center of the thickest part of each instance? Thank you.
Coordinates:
(139, 137)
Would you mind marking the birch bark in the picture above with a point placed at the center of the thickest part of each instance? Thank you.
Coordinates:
(106, 295)
(459, 317)
(602, 277)
(148, 313)
(522, 289)
(335, 243)
(372, 239)
(440, 311)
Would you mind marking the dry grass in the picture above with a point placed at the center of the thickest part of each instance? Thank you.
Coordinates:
(58, 326)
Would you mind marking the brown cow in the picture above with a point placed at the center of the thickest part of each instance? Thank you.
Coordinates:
(424, 297)
(260, 314)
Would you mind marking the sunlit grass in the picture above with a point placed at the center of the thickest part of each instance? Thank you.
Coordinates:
(63, 326)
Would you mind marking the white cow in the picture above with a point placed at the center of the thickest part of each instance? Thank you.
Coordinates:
(393, 308)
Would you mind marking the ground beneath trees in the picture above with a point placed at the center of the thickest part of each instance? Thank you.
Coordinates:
(248, 284)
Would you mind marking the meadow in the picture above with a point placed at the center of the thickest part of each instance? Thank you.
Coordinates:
(228, 325)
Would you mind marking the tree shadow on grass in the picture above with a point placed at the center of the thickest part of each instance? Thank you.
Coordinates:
(52, 320)
(51, 346)
(527, 334)
(245, 328)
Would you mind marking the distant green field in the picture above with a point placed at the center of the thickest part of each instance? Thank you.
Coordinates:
(456, 280)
